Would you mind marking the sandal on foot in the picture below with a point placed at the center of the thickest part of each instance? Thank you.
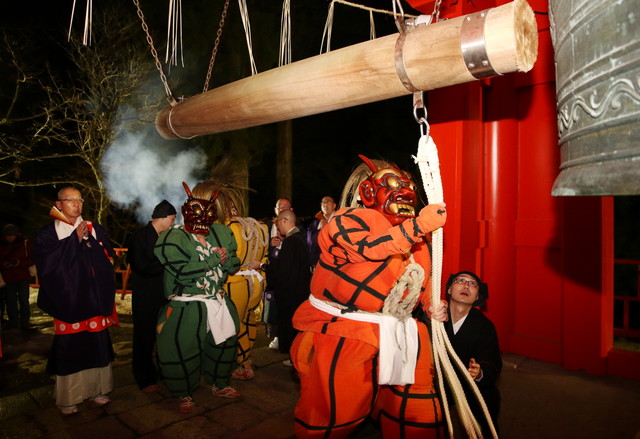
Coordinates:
(151, 388)
(100, 401)
(243, 373)
(68, 410)
(227, 392)
(186, 404)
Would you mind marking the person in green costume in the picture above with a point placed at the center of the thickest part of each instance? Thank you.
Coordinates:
(198, 326)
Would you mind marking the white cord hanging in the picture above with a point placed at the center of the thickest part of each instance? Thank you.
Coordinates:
(244, 13)
(429, 164)
(285, 34)
(326, 34)
(174, 34)
(88, 16)
(372, 26)
(328, 27)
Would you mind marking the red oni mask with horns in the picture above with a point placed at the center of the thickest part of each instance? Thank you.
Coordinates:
(198, 213)
(390, 191)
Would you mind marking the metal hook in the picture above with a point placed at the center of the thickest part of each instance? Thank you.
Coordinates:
(418, 104)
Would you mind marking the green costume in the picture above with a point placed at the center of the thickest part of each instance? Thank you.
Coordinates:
(186, 345)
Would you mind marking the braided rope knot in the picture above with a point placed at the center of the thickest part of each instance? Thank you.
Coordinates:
(411, 281)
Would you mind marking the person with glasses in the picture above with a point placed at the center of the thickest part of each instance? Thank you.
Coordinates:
(475, 340)
(77, 288)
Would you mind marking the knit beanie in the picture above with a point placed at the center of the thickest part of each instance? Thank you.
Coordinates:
(163, 210)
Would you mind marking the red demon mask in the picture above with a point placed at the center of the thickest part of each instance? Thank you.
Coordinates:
(198, 213)
(390, 191)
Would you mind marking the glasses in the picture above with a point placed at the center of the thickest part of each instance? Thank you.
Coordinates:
(462, 281)
(73, 200)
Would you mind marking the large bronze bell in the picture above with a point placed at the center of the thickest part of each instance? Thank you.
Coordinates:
(597, 54)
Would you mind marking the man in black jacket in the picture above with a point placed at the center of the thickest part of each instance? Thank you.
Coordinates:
(475, 340)
(289, 276)
(148, 294)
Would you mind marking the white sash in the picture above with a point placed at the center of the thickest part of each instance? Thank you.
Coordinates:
(219, 320)
(398, 342)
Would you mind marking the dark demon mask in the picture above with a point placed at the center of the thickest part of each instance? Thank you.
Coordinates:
(198, 213)
(390, 191)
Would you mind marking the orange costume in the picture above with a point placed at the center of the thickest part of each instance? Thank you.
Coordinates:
(362, 256)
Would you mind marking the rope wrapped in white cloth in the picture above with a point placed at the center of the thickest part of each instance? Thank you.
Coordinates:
(443, 352)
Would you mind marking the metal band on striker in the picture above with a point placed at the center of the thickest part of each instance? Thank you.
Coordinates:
(473, 45)
(401, 69)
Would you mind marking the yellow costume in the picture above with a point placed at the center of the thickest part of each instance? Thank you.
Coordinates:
(246, 286)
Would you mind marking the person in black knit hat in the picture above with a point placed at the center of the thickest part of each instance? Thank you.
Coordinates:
(147, 294)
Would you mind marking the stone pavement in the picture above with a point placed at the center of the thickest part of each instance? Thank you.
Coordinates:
(265, 409)
(539, 400)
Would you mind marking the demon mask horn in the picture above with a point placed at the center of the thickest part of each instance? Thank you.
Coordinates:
(187, 190)
(369, 163)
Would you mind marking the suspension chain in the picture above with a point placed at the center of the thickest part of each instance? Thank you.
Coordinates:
(215, 46)
(436, 11)
(154, 52)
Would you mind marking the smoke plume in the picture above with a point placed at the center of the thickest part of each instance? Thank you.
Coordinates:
(142, 169)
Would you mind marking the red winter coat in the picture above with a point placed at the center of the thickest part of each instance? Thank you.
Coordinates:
(15, 260)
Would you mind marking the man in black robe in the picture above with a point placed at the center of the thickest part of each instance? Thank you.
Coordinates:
(289, 276)
(147, 294)
(77, 288)
(475, 340)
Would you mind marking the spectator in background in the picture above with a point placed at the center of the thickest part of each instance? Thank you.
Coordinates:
(147, 294)
(16, 256)
(327, 208)
(475, 340)
(77, 288)
(289, 276)
(270, 312)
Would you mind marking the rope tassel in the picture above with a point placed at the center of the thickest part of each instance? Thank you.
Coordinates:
(174, 34)
(88, 15)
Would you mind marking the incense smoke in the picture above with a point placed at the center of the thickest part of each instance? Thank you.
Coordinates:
(141, 170)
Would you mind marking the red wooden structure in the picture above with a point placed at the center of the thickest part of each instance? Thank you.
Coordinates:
(548, 260)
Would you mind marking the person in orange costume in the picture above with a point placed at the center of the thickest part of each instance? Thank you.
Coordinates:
(342, 354)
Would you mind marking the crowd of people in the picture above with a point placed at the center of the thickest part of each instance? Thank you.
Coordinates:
(326, 290)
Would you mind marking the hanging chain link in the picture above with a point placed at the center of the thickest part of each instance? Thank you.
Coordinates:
(421, 119)
(436, 11)
(215, 47)
(154, 52)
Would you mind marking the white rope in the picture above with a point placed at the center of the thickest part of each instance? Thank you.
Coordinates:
(372, 26)
(285, 34)
(429, 164)
(255, 240)
(367, 8)
(88, 14)
(174, 34)
(244, 13)
(411, 281)
(326, 34)
(328, 27)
